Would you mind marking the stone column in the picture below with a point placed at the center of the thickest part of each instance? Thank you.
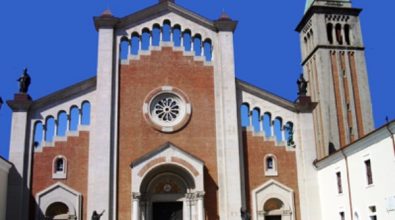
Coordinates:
(136, 206)
(20, 156)
(200, 206)
(261, 129)
(182, 39)
(186, 211)
(250, 119)
(272, 128)
(283, 134)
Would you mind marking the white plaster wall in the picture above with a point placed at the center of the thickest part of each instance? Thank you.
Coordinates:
(379, 149)
(4, 169)
(332, 202)
(382, 159)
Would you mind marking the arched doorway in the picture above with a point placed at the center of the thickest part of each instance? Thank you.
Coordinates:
(273, 209)
(168, 193)
(57, 211)
(168, 182)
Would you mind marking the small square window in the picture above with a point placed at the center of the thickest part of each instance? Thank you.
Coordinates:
(372, 213)
(339, 183)
(342, 216)
(369, 176)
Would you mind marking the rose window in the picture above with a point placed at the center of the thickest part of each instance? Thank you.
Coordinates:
(167, 109)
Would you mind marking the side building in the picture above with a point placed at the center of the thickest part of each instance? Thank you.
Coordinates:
(357, 181)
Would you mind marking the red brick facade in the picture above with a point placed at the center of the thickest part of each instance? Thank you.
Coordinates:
(255, 150)
(75, 150)
(137, 137)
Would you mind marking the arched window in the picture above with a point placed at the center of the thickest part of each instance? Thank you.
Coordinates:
(329, 32)
(197, 45)
(62, 124)
(339, 36)
(135, 43)
(145, 39)
(59, 167)
(208, 50)
(166, 31)
(278, 129)
(270, 165)
(347, 34)
(244, 112)
(156, 35)
(38, 134)
(267, 124)
(86, 113)
(187, 39)
(177, 35)
(74, 118)
(49, 129)
(124, 48)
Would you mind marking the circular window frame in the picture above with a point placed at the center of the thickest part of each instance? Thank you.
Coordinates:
(185, 105)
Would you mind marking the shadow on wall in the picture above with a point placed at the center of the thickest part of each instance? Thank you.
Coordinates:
(211, 189)
(16, 190)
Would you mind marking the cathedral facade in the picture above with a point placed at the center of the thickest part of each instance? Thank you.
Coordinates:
(157, 133)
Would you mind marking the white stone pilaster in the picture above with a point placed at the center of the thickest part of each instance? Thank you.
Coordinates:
(200, 206)
(227, 130)
(100, 145)
(20, 157)
(307, 174)
(136, 206)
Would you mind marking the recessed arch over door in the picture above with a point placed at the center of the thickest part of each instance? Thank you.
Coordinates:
(168, 181)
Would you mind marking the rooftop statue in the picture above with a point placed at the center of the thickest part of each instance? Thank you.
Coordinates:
(24, 82)
(302, 86)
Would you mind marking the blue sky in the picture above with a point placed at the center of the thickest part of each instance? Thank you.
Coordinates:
(57, 41)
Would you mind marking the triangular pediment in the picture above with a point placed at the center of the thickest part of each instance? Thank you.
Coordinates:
(166, 150)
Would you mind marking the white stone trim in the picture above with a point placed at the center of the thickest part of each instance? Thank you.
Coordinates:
(57, 174)
(273, 189)
(59, 192)
(185, 109)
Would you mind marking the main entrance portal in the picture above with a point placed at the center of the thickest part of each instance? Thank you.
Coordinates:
(167, 211)
(168, 184)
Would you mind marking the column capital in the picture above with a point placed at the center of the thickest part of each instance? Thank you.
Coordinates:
(200, 195)
(136, 196)
(20, 103)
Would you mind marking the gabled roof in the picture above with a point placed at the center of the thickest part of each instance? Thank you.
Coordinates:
(83, 86)
(162, 8)
(385, 131)
(266, 95)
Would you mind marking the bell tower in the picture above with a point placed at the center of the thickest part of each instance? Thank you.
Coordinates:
(333, 60)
